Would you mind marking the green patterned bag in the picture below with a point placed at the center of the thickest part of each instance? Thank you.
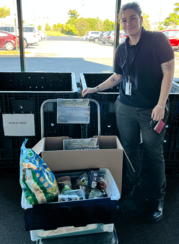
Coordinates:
(36, 179)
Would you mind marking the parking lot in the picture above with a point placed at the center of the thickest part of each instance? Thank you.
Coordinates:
(66, 54)
(66, 46)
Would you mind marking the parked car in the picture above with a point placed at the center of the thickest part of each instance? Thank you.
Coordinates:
(103, 36)
(43, 36)
(173, 36)
(110, 38)
(95, 38)
(30, 35)
(90, 34)
(122, 37)
(8, 40)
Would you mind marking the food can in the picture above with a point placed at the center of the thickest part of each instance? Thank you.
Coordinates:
(66, 180)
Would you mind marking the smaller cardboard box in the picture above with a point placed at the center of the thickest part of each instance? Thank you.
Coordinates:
(109, 155)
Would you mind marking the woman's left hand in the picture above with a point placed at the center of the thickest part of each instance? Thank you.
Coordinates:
(157, 113)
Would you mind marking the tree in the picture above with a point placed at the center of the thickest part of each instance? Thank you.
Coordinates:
(47, 27)
(99, 25)
(108, 25)
(73, 14)
(39, 27)
(146, 22)
(160, 26)
(69, 29)
(92, 22)
(176, 9)
(172, 20)
(4, 12)
(71, 22)
(54, 27)
(59, 27)
(82, 26)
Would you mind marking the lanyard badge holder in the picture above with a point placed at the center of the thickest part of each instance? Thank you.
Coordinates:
(128, 90)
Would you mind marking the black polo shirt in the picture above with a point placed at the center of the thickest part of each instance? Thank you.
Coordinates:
(142, 62)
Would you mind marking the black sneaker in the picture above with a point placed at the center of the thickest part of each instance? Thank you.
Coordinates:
(156, 212)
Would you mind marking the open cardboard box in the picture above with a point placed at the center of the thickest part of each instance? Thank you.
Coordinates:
(110, 156)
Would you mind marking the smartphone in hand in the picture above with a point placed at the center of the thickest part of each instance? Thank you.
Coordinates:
(157, 126)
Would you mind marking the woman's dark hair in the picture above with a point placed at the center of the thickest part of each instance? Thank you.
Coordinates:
(134, 5)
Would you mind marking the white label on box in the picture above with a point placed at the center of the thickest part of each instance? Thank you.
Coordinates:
(18, 124)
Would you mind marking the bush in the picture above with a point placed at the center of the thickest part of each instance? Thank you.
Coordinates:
(69, 29)
(47, 27)
(39, 27)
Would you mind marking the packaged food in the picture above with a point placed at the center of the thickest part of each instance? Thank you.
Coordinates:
(82, 180)
(66, 180)
(92, 178)
(66, 198)
(86, 190)
(79, 193)
(36, 179)
(62, 188)
(95, 193)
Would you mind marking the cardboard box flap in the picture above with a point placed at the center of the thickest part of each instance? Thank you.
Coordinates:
(49, 144)
(39, 147)
(109, 142)
(54, 143)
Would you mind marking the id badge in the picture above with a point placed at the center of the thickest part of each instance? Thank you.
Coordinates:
(128, 90)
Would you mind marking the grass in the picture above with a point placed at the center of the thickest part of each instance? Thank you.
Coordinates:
(13, 52)
(54, 33)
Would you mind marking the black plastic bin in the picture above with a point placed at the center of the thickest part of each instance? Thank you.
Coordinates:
(72, 213)
(24, 93)
(108, 120)
(106, 100)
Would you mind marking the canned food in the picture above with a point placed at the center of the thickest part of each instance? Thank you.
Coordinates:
(66, 180)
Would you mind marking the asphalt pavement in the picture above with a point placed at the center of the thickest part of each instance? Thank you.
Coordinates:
(64, 38)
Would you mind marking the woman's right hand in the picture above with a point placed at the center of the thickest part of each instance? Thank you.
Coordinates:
(88, 90)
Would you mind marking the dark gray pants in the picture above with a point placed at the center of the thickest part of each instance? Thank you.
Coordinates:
(130, 121)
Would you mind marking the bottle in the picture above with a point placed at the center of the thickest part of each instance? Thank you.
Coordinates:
(102, 186)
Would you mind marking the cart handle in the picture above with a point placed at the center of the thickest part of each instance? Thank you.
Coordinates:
(55, 100)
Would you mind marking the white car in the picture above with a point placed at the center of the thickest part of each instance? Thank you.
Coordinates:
(43, 36)
(29, 32)
(91, 34)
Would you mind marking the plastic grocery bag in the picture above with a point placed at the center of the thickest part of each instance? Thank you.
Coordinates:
(37, 180)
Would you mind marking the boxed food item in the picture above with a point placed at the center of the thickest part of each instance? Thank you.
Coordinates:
(81, 144)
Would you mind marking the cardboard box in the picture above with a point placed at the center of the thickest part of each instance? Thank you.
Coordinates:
(110, 156)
